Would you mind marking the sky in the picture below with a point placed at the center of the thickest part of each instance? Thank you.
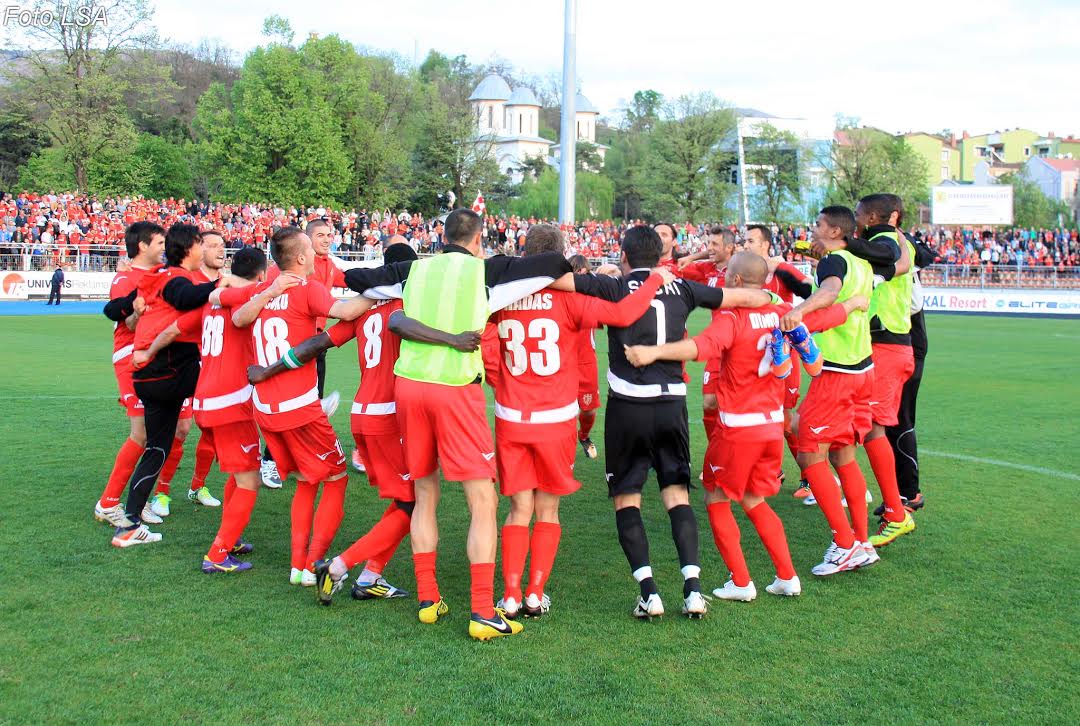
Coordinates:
(980, 66)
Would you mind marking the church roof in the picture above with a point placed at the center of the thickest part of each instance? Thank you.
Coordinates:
(523, 96)
(584, 105)
(492, 88)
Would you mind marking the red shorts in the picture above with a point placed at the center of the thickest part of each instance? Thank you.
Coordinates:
(547, 465)
(588, 397)
(893, 365)
(791, 386)
(711, 377)
(126, 385)
(836, 410)
(236, 446)
(384, 458)
(312, 450)
(740, 468)
(445, 426)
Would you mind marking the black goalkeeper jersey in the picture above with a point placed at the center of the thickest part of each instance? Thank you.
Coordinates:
(665, 322)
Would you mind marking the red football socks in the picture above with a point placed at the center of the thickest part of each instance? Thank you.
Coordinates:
(126, 460)
(327, 518)
(854, 486)
(386, 534)
(170, 467)
(883, 462)
(235, 515)
(542, 551)
(709, 417)
(427, 588)
(515, 548)
(827, 494)
(727, 537)
(230, 487)
(301, 512)
(771, 530)
(483, 589)
(204, 459)
(586, 419)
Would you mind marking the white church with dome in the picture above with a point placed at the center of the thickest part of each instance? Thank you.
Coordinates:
(511, 120)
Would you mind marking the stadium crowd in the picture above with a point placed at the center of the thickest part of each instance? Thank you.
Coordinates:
(41, 231)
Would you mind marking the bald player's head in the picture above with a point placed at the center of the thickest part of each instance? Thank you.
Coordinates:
(747, 269)
(396, 239)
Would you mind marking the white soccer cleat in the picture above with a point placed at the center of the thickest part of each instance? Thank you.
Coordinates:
(159, 504)
(113, 515)
(788, 588)
(330, 403)
(870, 554)
(148, 516)
(139, 535)
(809, 500)
(307, 578)
(357, 462)
(204, 497)
(269, 473)
(837, 559)
(649, 609)
(535, 607)
(869, 497)
(694, 606)
(510, 606)
(295, 576)
(731, 591)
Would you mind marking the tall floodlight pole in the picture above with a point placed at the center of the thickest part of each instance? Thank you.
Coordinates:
(568, 127)
(744, 202)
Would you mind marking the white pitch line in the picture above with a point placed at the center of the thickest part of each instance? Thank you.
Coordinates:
(1006, 464)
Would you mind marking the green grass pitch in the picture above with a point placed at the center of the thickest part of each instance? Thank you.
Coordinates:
(972, 619)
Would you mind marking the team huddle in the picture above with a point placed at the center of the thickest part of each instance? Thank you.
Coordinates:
(243, 354)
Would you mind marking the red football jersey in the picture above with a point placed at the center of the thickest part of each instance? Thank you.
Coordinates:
(377, 348)
(537, 383)
(749, 397)
(587, 348)
(122, 284)
(223, 394)
(290, 399)
(775, 285)
(158, 314)
(330, 276)
(704, 272)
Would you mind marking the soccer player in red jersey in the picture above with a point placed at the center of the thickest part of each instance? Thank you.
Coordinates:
(535, 412)
(781, 277)
(222, 401)
(209, 271)
(169, 377)
(287, 407)
(589, 378)
(746, 450)
(145, 244)
(377, 436)
(710, 272)
(668, 238)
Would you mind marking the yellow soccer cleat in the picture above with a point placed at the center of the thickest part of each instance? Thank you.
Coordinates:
(430, 612)
(889, 531)
(496, 627)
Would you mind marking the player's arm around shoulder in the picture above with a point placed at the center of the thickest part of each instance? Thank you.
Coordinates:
(823, 297)
(251, 302)
(351, 309)
(408, 328)
(630, 308)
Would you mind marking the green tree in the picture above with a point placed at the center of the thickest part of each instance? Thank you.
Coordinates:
(1032, 208)
(593, 196)
(772, 164)
(683, 172)
(869, 161)
(170, 170)
(278, 30)
(20, 138)
(273, 136)
(47, 170)
(587, 157)
(75, 71)
(374, 107)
